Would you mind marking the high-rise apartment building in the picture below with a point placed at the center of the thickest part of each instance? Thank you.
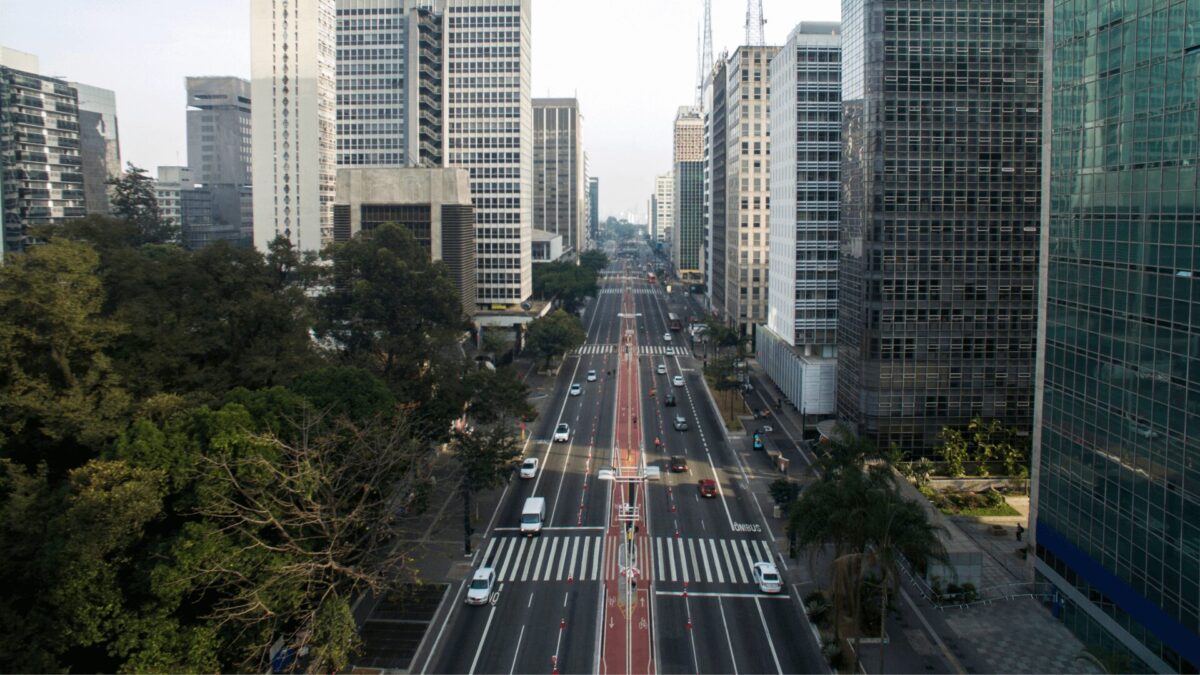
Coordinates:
(1116, 465)
(218, 129)
(292, 61)
(747, 189)
(798, 343)
(490, 133)
(687, 234)
(99, 144)
(714, 183)
(594, 207)
(390, 82)
(43, 181)
(663, 215)
(559, 189)
(941, 134)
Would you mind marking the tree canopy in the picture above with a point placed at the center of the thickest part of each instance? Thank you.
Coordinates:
(134, 201)
(554, 334)
(566, 281)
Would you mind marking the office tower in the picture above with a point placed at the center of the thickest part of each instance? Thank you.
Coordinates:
(939, 216)
(1116, 446)
(594, 206)
(292, 85)
(43, 181)
(664, 206)
(558, 172)
(433, 203)
(390, 82)
(798, 343)
(714, 183)
(99, 144)
(747, 190)
(490, 133)
(215, 212)
(218, 129)
(170, 182)
(687, 233)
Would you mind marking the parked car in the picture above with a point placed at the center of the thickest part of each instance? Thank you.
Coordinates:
(678, 464)
(677, 380)
(669, 400)
(563, 433)
(708, 487)
(529, 467)
(480, 590)
(766, 575)
(591, 376)
(576, 389)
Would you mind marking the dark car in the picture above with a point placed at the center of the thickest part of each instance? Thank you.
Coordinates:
(678, 464)
(669, 401)
(708, 487)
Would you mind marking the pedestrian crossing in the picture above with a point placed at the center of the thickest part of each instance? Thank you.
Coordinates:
(636, 290)
(643, 350)
(557, 557)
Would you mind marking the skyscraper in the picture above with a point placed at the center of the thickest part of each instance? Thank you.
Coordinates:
(559, 190)
(747, 192)
(687, 235)
(941, 133)
(594, 206)
(798, 343)
(714, 184)
(218, 130)
(293, 85)
(664, 206)
(1116, 498)
(99, 144)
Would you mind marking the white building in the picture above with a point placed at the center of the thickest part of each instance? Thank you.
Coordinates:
(172, 179)
(797, 345)
(292, 85)
(559, 173)
(663, 217)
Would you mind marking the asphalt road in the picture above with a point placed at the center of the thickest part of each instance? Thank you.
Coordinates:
(706, 615)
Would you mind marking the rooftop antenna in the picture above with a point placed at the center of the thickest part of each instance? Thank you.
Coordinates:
(706, 59)
(754, 23)
(699, 68)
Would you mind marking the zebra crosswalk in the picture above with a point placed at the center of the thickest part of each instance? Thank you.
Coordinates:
(636, 290)
(557, 557)
(643, 350)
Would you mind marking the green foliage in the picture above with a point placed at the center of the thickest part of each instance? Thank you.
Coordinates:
(485, 457)
(784, 491)
(953, 450)
(594, 259)
(133, 200)
(345, 392)
(335, 636)
(554, 334)
(59, 394)
(566, 281)
(967, 503)
(497, 394)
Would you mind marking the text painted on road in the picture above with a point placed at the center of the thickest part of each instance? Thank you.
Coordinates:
(747, 527)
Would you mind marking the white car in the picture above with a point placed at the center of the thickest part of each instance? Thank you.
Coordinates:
(591, 376)
(562, 434)
(529, 467)
(479, 592)
(662, 369)
(576, 389)
(666, 337)
(677, 380)
(766, 575)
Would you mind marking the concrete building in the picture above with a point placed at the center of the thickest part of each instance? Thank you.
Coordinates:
(663, 214)
(43, 180)
(218, 129)
(594, 207)
(1115, 514)
(434, 203)
(293, 86)
(216, 212)
(491, 134)
(939, 216)
(559, 187)
(798, 344)
(747, 190)
(714, 184)
(547, 246)
(170, 182)
(99, 145)
(687, 235)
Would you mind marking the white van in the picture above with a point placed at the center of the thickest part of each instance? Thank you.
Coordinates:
(532, 515)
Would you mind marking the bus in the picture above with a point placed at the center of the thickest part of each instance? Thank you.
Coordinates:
(674, 323)
(651, 278)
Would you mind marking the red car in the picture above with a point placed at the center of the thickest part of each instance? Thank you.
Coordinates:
(708, 487)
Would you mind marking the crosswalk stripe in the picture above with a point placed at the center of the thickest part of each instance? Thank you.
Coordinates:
(587, 545)
(683, 561)
(671, 556)
(742, 569)
(750, 557)
(514, 560)
(488, 553)
(596, 556)
(766, 550)
(537, 543)
(695, 560)
(704, 558)
(717, 561)
(574, 552)
(549, 561)
(660, 572)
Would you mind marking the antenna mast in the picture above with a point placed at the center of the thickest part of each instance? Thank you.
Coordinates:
(754, 23)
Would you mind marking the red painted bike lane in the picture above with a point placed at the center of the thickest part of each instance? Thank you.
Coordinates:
(627, 642)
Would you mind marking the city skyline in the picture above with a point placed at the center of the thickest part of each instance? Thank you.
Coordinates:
(628, 118)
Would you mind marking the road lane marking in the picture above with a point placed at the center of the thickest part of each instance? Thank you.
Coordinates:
(671, 556)
(599, 553)
(717, 562)
(516, 561)
(683, 560)
(533, 547)
(549, 562)
(728, 561)
(767, 631)
(488, 552)
(508, 559)
(517, 651)
(704, 558)
(574, 551)
(717, 594)
(563, 528)
(728, 640)
(750, 557)
(661, 561)
(587, 543)
(695, 560)
(482, 640)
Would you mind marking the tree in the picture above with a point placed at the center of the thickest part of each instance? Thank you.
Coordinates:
(133, 200)
(497, 394)
(486, 459)
(554, 334)
(725, 378)
(593, 259)
(566, 281)
(989, 439)
(953, 450)
(60, 398)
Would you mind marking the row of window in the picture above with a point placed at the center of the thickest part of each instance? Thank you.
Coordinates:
(382, 54)
(388, 68)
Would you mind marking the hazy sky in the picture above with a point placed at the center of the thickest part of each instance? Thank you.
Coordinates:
(631, 63)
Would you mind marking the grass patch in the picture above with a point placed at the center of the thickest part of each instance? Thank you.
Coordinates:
(1001, 510)
(732, 423)
(966, 503)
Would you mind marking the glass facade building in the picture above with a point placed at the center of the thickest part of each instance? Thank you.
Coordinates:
(687, 236)
(715, 171)
(559, 186)
(940, 216)
(1116, 503)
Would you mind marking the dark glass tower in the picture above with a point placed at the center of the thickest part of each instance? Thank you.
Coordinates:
(941, 141)
(1117, 442)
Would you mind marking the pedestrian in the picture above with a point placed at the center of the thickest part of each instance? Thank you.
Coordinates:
(1020, 531)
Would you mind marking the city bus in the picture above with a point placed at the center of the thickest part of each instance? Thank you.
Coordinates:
(673, 322)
